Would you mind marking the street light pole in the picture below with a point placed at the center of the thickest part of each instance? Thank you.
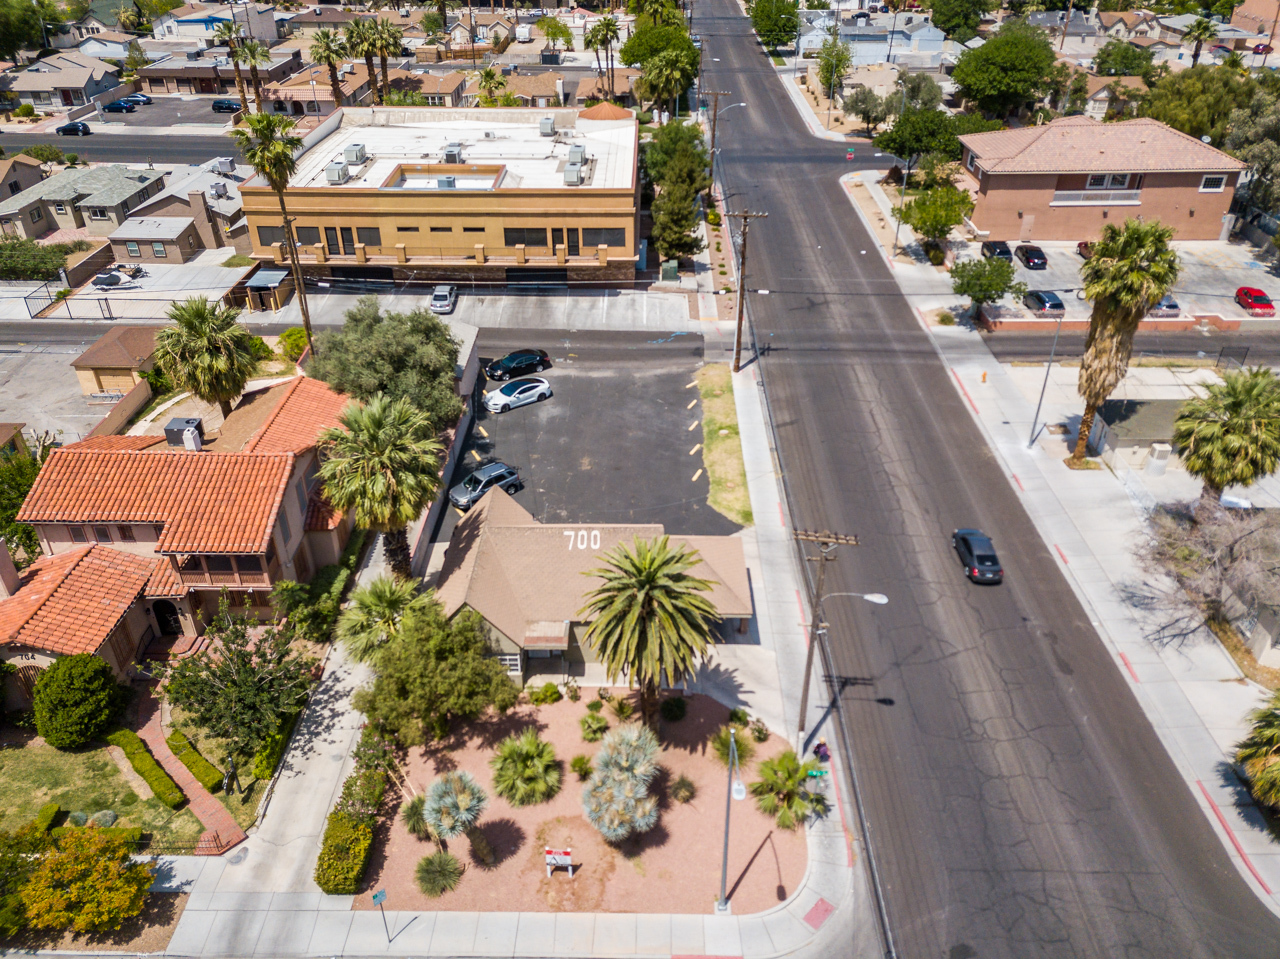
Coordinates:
(736, 791)
(742, 283)
(1031, 440)
(827, 543)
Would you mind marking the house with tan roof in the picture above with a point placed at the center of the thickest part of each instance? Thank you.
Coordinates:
(19, 172)
(597, 87)
(439, 89)
(532, 90)
(489, 27)
(1127, 24)
(1064, 180)
(528, 581)
(116, 360)
(1104, 94)
(309, 92)
(64, 79)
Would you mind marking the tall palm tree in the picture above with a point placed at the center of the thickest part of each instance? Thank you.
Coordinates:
(591, 40)
(388, 41)
(608, 35)
(255, 54)
(229, 33)
(206, 351)
(667, 75)
(361, 41)
(1231, 436)
(650, 622)
(373, 617)
(525, 769)
(269, 145)
(783, 791)
(1131, 268)
(1259, 752)
(329, 50)
(382, 466)
(1199, 33)
(490, 82)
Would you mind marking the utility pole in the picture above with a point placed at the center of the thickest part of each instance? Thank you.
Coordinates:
(1066, 26)
(715, 115)
(746, 219)
(827, 543)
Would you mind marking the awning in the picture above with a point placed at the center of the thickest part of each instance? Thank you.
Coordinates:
(266, 279)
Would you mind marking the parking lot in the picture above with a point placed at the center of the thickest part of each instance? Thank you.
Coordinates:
(167, 111)
(613, 444)
(38, 387)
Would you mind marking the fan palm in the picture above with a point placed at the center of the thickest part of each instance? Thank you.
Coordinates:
(650, 622)
(1131, 268)
(437, 874)
(490, 82)
(1259, 752)
(360, 38)
(667, 75)
(388, 42)
(453, 807)
(783, 791)
(373, 618)
(206, 351)
(608, 35)
(1231, 436)
(270, 146)
(1198, 33)
(255, 55)
(383, 466)
(591, 40)
(329, 50)
(229, 33)
(525, 769)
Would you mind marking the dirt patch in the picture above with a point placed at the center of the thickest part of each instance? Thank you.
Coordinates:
(129, 773)
(149, 932)
(722, 446)
(1233, 644)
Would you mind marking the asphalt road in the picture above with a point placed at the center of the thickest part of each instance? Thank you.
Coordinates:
(1263, 348)
(128, 147)
(1019, 802)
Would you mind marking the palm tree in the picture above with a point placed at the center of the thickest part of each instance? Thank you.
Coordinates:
(783, 791)
(328, 50)
(256, 55)
(1199, 32)
(361, 41)
(1231, 436)
(453, 807)
(388, 42)
(374, 615)
(126, 14)
(383, 466)
(206, 351)
(229, 33)
(650, 622)
(490, 82)
(667, 75)
(525, 769)
(1259, 752)
(270, 146)
(1234, 62)
(591, 40)
(1131, 268)
(608, 34)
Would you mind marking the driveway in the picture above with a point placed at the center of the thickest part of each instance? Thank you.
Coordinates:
(38, 387)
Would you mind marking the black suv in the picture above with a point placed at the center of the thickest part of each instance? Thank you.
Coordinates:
(518, 363)
(997, 249)
(493, 475)
(226, 106)
(978, 553)
(1032, 257)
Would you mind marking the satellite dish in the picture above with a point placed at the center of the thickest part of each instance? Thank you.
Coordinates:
(1207, 139)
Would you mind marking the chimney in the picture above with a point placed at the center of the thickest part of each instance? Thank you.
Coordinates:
(210, 236)
(560, 89)
(9, 581)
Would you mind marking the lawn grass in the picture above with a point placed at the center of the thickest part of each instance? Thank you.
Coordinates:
(777, 60)
(243, 808)
(721, 446)
(82, 780)
(239, 260)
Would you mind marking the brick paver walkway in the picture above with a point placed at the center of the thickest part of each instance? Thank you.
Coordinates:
(221, 830)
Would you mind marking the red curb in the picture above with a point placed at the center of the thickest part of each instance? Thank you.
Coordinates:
(1232, 836)
(819, 914)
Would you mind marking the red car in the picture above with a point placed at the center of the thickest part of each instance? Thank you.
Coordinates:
(1085, 249)
(1255, 302)
(1262, 48)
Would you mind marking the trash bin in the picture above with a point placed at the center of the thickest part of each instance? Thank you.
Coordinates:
(1158, 458)
(670, 271)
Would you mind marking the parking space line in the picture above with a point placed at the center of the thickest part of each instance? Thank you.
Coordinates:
(692, 426)
(694, 383)
(476, 455)
(696, 447)
(481, 431)
(692, 403)
(697, 474)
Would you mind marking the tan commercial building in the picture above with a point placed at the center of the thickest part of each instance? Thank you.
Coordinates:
(493, 196)
(1065, 180)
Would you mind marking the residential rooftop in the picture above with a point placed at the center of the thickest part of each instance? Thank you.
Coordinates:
(99, 186)
(121, 347)
(152, 228)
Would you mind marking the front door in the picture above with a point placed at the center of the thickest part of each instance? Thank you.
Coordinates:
(1028, 224)
(206, 86)
(573, 242)
(66, 98)
(167, 618)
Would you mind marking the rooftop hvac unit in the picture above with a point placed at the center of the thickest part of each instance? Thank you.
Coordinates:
(446, 183)
(176, 428)
(337, 172)
(191, 439)
(224, 165)
(578, 154)
(191, 55)
(453, 153)
(354, 153)
(218, 189)
(547, 126)
(573, 174)
(490, 135)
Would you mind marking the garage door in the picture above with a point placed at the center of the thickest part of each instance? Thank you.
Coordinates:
(115, 381)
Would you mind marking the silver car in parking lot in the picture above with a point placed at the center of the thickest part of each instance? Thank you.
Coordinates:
(444, 299)
(509, 395)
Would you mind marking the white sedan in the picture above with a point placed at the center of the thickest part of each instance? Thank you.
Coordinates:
(534, 389)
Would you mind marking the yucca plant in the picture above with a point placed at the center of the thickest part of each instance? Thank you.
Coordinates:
(453, 807)
(783, 791)
(617, 800)
(1259, 753)
(414, 820)
(622, 708)
(525, 769)
(720, 744)
(438, 873)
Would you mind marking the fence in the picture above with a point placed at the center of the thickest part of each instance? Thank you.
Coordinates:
(123, 411)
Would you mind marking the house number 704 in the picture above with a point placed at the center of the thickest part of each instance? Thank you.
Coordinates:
(582, 536)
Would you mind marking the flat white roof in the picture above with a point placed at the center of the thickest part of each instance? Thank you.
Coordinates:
(489, 138)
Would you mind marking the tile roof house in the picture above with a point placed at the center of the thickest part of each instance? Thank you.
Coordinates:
(532, 90)
(1099, 98)
(527, 580)
(597, 88)
(64, 79)
(98, 199)
(440, 89)
(309, 92)
(116, 360)
(489, 27)
(1127, 24)
(1063, 180)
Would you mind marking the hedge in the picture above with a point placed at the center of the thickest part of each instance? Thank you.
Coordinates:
(45, 817)
(344, 854)
(269, 756)
(130, 835)
(206, 773)
(145, 765)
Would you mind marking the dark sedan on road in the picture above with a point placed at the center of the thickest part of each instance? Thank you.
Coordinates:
(518, 363)
(139, 98)
(76, 129)
(978, 553)
(1032, 257)
(997, 250)
(120, 106)
(226, 106)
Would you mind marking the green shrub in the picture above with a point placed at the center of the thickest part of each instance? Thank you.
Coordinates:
(936, 254)
(713, 218)
(158, 381)
(739, 717)
(759, 731)
(604, 694)
(145, 765)
(582, 766)
(76, 698)
(344, 853)
(720, 743)
(25, 110)
(438, 873)
(525, 769)
(44, 152)
(131, 835)
(103, 819)
(207, 775)
(258, 347)
(644, 116)
(946, 318)
(622, 708)
(63, 293)
(73, 159)
(269, 756)
(293, 342)
(545, 695)
(572, 691)
(683, 790)
(46, 816)
(362, 796)
(593, 727)
(595, 706)
(674, 709)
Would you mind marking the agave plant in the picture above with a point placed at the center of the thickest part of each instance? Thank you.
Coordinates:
(783, 790)
(414, 819)
(525, 769)
(453, 806)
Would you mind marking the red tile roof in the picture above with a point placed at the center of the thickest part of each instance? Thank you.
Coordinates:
(164, 581)
(208, 502)
(308, 408)
(115, 443)
(320, 513)
(605, 111)
(71, 602)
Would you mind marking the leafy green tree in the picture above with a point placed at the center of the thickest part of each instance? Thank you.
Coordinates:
(23, 259)
(648, 40)
(783, 791)
(1231, 435)
(405, 98)
(834, 60)
(650, 621)
(988, 280)
(959, 19)
(867, 106)
(1254, 137)
(556, 32)
(20, 853)
(675, 223)
(686, 168)
(935, 213)
(373, 616)
(1119, 58)
(44, 152)
(76, 698)
(1200, 32)
(666, 142)
(962, 124)
(244, 683)
(411, 355)
(917, 132)
(1011, 69)
(19, 29)
(435, 672)
(922, 92)
(89, 882)
(328, 49)
(206, 351)
(1132, 267)
(18, 472)
(775, 21)
(667, 75)
(1198, 101)
(658, 11)
(382, 466)
(525, 769)
(1259, 753)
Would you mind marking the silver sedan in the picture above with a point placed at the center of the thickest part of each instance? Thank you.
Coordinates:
(533, 389)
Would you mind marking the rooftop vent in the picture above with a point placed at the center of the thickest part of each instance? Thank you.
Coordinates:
(578, 154)
(218, 189)
(547, 126)
(453, 153)
(179, 425)
(224, 164)
(354, 153)
(573, 174)
(337, 172)
(446, 183)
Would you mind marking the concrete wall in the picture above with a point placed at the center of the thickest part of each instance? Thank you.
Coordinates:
(80, 271)
(114, 422)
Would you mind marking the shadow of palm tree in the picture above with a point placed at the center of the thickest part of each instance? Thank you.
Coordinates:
(506, 836)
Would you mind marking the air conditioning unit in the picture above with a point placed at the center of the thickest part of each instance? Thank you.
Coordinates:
(176, 429)
(337, 172)
(224, 165)
(578, 154)
(453, 153)
(490, 135)
(573, 174)
(547, 126)
(218, 189)
(354, 153)
(446, 183)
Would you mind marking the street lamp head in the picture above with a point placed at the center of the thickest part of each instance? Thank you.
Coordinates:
(739, 790)
(878, 598)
